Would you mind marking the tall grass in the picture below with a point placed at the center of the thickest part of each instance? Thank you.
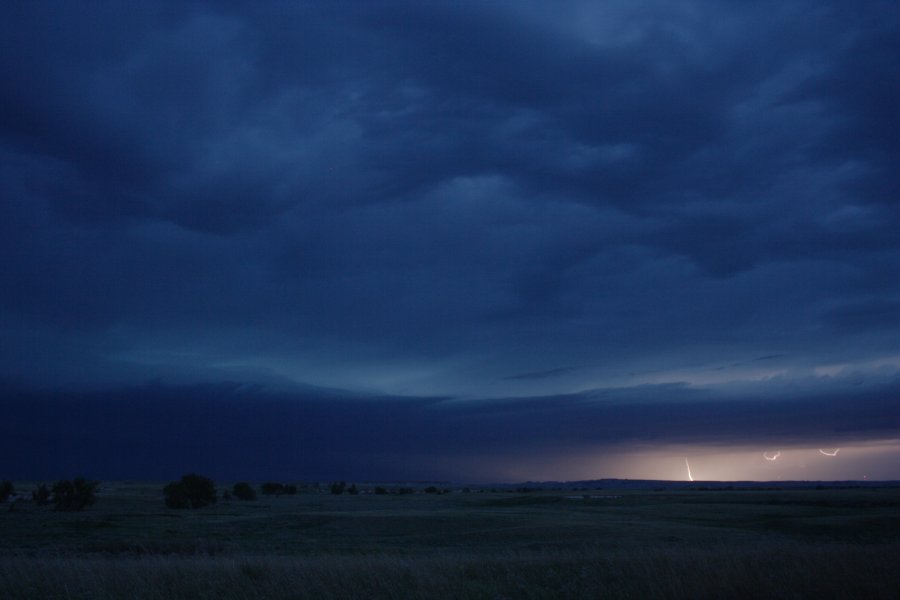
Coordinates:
(779, 569)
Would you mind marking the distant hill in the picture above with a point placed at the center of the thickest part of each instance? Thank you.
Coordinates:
(644, 484)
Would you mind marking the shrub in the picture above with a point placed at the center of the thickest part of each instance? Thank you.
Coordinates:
(243, 491)
(338, 487)
(271, 488)
(353, 490)
(193, 491)
(41, 495)
(75, 494)
(431, 490)
(6, 490)
(380, 490)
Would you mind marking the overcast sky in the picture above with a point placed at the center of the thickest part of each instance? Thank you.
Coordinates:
(495, 240)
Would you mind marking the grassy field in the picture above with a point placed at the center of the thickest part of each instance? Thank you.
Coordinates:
(626, 544)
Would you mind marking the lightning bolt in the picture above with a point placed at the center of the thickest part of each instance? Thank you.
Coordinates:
(774, 455)
(829, 453)
(688, 465)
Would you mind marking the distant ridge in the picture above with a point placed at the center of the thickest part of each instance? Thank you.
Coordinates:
(645, 484)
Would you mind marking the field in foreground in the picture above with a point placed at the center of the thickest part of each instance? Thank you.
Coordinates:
(629, 544)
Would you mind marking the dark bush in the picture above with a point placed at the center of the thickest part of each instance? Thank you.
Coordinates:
(353, 490)
(243, 491)
(277, 489)
(338, 487)
(380, 491)
(269, 488)
(431, 490)
(75, 494)
(41, 495)
(6, 490)
(272, 489)
(193, 491)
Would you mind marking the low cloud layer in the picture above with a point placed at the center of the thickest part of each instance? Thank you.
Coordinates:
(245, 431)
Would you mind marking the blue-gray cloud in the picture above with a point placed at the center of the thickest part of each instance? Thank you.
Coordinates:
(447, 199)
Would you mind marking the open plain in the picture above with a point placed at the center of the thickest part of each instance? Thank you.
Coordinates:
(687, 543)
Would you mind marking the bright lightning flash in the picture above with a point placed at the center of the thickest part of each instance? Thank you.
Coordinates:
(688, 465)
(770, 456)
(829, 452)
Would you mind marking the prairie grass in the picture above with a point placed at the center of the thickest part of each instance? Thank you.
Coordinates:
(630, 544)
(780, 569)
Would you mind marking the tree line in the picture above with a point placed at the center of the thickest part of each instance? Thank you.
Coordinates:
(192, 491)
(65, 495)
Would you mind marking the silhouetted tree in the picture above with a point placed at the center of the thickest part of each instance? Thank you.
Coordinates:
(431, 490)
(337, 488)
(41, 495)
(75, 494)
(6, 490)
(380, 490)
(243, 491)
(271, 488)
(193, 491)
(353, 490)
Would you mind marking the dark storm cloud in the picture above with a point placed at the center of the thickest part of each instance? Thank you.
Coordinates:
(447, 198)
(861, 316)
(235, 430)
